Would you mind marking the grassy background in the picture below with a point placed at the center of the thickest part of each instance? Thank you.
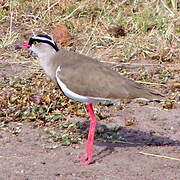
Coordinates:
(151, 27)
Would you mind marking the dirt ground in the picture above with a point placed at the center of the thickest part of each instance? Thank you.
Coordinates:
(28, 155)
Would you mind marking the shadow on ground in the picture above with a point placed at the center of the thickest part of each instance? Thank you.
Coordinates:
(125, 137)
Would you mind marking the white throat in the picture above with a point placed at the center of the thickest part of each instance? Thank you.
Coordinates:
(43, 53)
(45, 58)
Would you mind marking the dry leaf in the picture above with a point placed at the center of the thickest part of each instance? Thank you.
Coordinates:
(61, 35)
(116, 31)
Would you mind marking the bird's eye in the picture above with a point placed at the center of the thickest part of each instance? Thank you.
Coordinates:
(36, 42)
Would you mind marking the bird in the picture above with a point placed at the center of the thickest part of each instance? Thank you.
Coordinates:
(85, 79)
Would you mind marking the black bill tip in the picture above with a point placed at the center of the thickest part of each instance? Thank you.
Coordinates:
(17, 47)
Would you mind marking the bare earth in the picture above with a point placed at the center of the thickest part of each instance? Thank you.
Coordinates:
(26, 157)
(29, 156)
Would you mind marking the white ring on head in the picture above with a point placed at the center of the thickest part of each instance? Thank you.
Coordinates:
(43, 38)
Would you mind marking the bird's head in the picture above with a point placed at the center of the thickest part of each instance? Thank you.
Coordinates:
(40, 44)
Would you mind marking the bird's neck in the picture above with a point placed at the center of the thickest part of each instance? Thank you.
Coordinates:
(46, 55)
(47, 63)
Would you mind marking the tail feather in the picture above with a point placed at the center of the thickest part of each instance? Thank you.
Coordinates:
(150, 100)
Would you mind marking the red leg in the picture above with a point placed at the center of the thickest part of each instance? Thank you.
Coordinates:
(87, 158)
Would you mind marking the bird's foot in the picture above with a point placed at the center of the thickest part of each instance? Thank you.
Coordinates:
(83, 160)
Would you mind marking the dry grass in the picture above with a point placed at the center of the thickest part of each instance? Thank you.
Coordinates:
(152, 27)
(159, 156)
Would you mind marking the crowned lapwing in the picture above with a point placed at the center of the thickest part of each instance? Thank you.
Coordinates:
(85, 79)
